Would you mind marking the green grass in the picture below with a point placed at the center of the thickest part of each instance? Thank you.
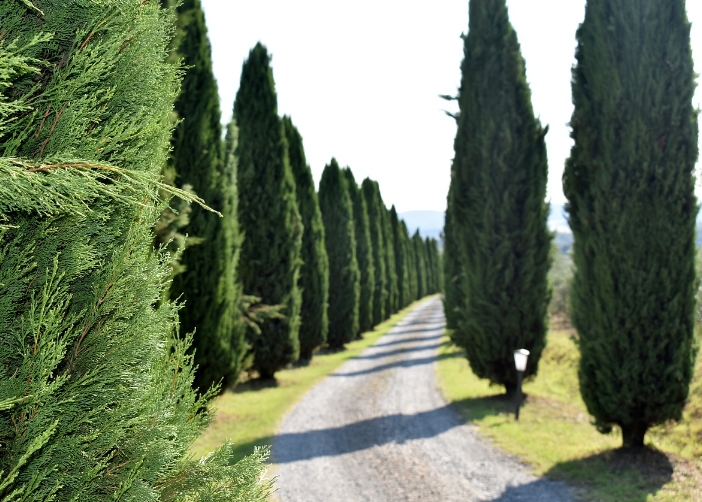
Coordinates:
(555, 437)
(249, 414)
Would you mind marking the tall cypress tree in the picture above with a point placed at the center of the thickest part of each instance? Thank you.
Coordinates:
(364, 253)
(96, 400)
(208, 287)
(412, 264)
(344, 276)
(500, 171)
(400, 260)
(452, 269)
(314, 273)
(390, 267)
(420, 264)
(375, 224)
(630, 186)
(270, 261)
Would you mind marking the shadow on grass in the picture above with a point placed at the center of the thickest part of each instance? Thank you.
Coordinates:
(477, 408)
(622, 475)
(254, 384)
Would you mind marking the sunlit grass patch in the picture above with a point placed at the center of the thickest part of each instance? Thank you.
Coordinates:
(555, 437)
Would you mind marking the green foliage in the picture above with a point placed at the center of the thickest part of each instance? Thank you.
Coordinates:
(207, 287)
(344, 276)
(270, 260)
(314, 273)
(364, 253)
(500, 173)
(560, 277)
(371, 194)
(411, 264)
(95, 383)
(401, 262)
(420, 260)
(391, 301)
(630, 186)
(452, 270)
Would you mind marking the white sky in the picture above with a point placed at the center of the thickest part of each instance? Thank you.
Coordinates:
(361, 80)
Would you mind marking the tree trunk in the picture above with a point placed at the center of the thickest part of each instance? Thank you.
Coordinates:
(633, 435)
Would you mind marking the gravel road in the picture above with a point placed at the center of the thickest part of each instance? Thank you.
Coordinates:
(379, 430)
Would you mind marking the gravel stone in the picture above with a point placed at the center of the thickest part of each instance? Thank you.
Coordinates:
(379, 430)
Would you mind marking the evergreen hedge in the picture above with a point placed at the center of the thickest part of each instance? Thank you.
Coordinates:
(344, 276)
(314, 273)
(95, 383)
(500, 170)
(364, 253)
(630, 186)
(269, 265)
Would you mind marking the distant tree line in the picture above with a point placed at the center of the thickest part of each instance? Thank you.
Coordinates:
(631, 205)
(286, 269)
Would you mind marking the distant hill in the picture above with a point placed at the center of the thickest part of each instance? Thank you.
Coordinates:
(431, 223)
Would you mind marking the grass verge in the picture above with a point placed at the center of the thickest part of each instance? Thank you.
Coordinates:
(555, 437)
(249, 413)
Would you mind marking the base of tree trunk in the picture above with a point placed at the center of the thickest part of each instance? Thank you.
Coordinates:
(633, 435)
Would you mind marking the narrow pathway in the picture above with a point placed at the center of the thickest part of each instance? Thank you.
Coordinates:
(378, 430)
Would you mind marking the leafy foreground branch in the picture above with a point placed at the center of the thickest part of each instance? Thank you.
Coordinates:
(96, 398)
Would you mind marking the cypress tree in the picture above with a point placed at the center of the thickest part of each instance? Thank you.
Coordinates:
(630, 186)
(390, 268)
(400, 260)
(375, 224)
(314, 273)
(268, 214)
(364, 253)
(96, 400)
(344, 276)
(500, 170)
(431, 276)
(208, 287)
(412, 264)
(453, 299)
(420, 263)
(434, 270)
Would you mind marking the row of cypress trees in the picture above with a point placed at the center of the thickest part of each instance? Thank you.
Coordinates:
(323, 273)
(376, 267)
(630, 186)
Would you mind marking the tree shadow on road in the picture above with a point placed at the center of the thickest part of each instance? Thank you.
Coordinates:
(405, 340)
(404, 350)
(363, 434)
(407, 363)
(541, 490)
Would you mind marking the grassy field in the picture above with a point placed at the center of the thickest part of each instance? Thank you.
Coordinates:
(555, 437)
(249, 414)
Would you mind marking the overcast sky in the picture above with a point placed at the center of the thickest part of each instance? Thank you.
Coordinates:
(361, 80)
